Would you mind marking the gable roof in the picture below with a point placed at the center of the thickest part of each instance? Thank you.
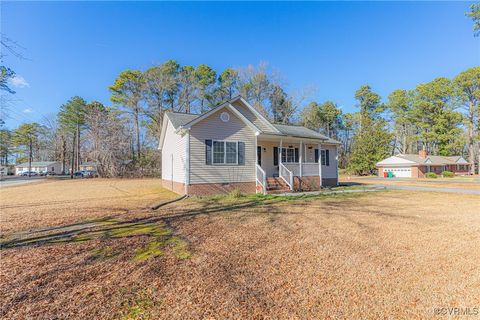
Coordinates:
(395, 161)
(181, 120)
(228, 106)
(36, 164)
(267, 124)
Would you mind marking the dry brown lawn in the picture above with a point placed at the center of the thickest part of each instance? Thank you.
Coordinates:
(395, 254)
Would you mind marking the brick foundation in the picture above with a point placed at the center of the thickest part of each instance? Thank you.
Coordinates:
(206, 189)
(311, 183)
(174, 186)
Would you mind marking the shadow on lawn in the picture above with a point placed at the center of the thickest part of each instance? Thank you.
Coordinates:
(158, 228)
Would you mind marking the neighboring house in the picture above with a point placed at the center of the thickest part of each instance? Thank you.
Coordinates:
(88, 166)
(40, 167)
(234, 147)
(415, 166)
(6, 170)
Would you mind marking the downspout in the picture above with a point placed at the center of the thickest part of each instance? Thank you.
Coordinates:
(187, 162)
(256, 163)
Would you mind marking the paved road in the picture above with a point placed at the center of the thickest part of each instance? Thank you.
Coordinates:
(469, 180)
(420, 188)
(10, 181)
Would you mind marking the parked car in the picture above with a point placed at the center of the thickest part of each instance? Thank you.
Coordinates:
(50, 173)
(32, 173)
(84, 174)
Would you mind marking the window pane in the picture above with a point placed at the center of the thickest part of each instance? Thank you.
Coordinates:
(284, 155)
(290, 155)
(218, 152)
(231, 152)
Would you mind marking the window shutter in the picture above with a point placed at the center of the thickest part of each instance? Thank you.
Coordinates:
(296, 155)
(316, 155)
(241, 153)
(327, 157)
(208, 151)
(275, 156)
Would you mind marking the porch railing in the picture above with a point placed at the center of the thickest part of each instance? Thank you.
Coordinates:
(286, 175)
(261, 178)
(310, 169)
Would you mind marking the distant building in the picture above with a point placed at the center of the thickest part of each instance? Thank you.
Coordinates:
(6, 170)
(416, 166)
(88, 166)
(39, 167)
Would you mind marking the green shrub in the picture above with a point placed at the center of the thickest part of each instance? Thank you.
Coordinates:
(448, 174)
(431, 175)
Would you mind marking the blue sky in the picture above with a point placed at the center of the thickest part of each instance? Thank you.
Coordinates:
(78, 48)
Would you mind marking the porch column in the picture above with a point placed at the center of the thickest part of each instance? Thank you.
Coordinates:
(280, 151)
(301, 158)
(320, 164)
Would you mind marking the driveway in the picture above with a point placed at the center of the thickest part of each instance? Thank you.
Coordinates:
(420, 188)
(464, 185)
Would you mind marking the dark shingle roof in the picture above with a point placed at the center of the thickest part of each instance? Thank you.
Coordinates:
(303, 132)
(179, 119)
(433, 160)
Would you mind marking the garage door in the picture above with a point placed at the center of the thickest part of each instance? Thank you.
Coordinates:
(400, 172)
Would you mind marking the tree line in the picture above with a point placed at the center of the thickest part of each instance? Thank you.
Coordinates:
(441, 116)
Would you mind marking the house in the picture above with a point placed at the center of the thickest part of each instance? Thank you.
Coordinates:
(415, 166)
(233, 146)
(40, 167)
(88, 166)
(6, 170)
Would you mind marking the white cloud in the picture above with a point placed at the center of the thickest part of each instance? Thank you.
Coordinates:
(19, 82)
(28, 110)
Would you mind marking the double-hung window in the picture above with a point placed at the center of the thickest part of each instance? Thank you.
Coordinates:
(218, 152)
(225, 152)
(289, 155)
(325, 157)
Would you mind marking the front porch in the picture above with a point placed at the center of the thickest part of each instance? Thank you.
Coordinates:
(289, 164)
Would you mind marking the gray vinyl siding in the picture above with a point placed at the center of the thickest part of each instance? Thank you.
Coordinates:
(173, 149)
(247, 113)
(213, 128)
(331, 170)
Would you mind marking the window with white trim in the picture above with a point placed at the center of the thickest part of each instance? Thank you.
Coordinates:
(289, 155)
(225, 152)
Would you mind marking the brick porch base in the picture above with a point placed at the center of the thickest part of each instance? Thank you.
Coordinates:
(311, 183)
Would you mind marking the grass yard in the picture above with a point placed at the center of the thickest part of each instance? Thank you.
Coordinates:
(91, 249)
